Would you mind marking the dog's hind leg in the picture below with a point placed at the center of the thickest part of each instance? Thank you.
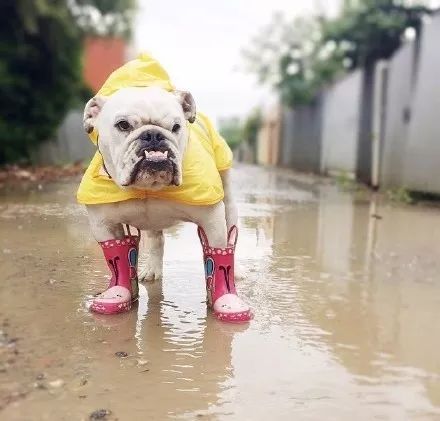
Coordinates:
(152, 269)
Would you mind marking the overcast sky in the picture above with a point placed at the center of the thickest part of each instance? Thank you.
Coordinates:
(199, 42)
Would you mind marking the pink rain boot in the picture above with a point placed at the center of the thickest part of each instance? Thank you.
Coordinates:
(220, 285)
(121, 256)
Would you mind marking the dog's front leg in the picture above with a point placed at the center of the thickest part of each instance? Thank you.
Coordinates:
(218, 245)
(121, 254)
(152, 271)
(231, 212)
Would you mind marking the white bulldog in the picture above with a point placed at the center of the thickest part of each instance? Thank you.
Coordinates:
(143, 135)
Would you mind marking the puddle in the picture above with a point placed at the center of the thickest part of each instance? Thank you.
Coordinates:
(346, 310)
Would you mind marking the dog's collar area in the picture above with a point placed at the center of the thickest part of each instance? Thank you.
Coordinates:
(103, 162)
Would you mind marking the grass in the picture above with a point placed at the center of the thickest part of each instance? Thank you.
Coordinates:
(410, 197)
(401, 195)
(346, 183)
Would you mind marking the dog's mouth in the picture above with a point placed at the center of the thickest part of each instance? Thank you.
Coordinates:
(156, 168)
(156, 156)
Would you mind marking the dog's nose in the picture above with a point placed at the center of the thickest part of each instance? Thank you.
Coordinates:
(152, 136)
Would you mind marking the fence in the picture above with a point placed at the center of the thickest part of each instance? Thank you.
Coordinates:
(303, 126)
(379, 125)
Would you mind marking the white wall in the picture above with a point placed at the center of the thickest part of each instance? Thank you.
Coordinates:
(340, 128)
(422, 154)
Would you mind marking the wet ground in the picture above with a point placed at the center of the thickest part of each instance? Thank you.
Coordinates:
(345, 288)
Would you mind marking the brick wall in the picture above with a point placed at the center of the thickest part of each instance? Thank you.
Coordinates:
(101, 57)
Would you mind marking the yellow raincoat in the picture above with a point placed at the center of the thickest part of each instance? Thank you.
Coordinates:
(206, 154)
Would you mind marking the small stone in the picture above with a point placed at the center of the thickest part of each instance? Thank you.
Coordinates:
(121, 354)
(40, 376)
(40, 385)
(12, 341)
(142, 363)
(100, 414)
(56, 383)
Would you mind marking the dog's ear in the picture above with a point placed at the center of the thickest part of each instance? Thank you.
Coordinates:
(91, 111)
(188, 104)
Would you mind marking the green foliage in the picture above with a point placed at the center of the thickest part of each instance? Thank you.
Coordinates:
(400, 195)
(104, 17)
(39, 73)
(40, 67)
(290, 56)
(232, 131)
(409, 197)
(251, 126)
(346, 183)
(372, 29)
(299, 57)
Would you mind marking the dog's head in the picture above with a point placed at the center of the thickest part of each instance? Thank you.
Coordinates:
(142, 134)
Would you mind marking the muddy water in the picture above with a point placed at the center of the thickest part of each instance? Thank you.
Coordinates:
(346, 293)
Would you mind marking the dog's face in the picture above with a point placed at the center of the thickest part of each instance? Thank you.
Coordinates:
(142, 135)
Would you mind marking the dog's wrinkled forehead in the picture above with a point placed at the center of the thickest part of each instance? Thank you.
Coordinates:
(151, 105)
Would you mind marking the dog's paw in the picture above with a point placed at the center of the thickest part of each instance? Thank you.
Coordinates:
(152, 271)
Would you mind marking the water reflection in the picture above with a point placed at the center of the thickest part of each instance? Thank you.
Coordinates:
(179, 353)
(360, 275)
(345, 293)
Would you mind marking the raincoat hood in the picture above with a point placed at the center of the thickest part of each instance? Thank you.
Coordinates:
(142, 72)
(206, 154)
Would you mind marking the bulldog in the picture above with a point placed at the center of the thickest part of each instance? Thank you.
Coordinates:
(143, 139)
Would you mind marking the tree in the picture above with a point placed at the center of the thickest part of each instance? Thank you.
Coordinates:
(105, 17)
(40, 67)
(299, 57)
(372, 29)
(231, 130)
(235, 131)
(39, 73)
(251, 126)
(290, 56)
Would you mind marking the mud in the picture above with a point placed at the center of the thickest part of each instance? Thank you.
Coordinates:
(345, 288)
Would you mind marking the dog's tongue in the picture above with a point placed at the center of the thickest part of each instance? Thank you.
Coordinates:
(156, 155)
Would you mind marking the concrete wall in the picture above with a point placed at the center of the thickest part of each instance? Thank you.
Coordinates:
(340, 127)
(398, 106)
(422, 153)
(363, 159)
(300, 146)
(380, 125)
(71, 144)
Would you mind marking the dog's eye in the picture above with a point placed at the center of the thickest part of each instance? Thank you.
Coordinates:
(175, 128)
(123, 125)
